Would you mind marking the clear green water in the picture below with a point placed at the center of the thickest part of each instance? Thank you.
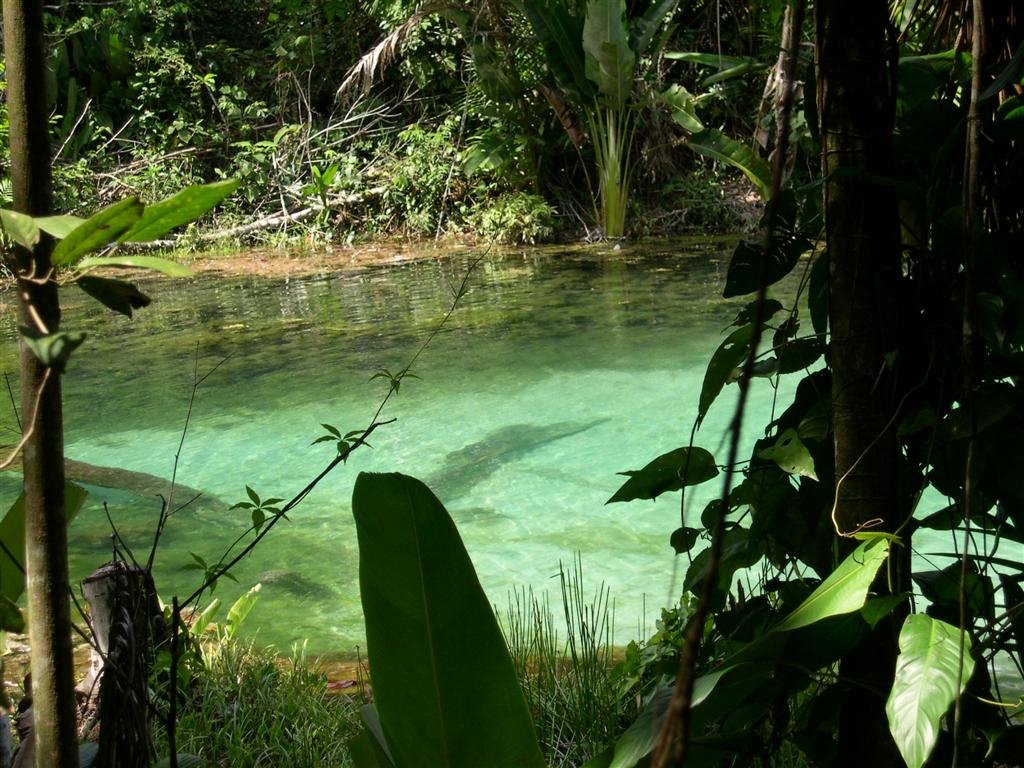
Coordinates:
(559, 369)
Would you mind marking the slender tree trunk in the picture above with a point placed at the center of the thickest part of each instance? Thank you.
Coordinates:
(856, 96)
(45, 531)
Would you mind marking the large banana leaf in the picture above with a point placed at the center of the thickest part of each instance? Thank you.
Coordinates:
(926, 684)
(642, 29)
(560, 33)
(718, 146)
(443, 682)
(610, 62)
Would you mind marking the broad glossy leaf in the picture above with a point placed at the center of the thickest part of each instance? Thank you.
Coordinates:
(799, 354)
(669, 472)
(22, 229)
(926, 684)
(791, 455)
(683, 108)
(444, 684)
(98, 231)
(706, 59)
(745, 265)
(609, 60)
(240, 610)
(12, 537)
(187, 205)
(169, 268)
(683, 539)
(844, 590)
(718, 146)
(52, 349)
(560, 33)
(730, 354)
(115, 294)
(59, 226)
(739, 550)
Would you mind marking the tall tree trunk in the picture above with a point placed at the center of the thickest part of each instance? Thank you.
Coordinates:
(856, 97)
(45, 532)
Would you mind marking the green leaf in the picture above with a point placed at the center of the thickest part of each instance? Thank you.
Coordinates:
(114, 294)
(791, 455)
(683, 539)
(22, 229)
(52, 349)
(718, 146)
(560, 33)
(166, 266)
(209, 612)
(368, 749)
(443, 681)
(12, 539)
(926, 684)
(241, 609)
(187, 205)
(11, 619)
(98, 231)
(59, 226)
(706, 59)
(669, 472)
(683, 107)
(730, 354)
(610, 61)
(844, 590)
(817, 294)
(643, 28)
(745, 265)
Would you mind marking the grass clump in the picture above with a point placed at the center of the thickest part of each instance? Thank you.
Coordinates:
(571, 684)
(246, 708)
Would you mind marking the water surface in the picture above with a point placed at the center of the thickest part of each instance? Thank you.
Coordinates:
(558, 369)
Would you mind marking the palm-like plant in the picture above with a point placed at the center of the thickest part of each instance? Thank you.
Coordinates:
(593, 60)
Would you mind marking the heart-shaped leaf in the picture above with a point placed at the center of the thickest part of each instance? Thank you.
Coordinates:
(669, 472)
(928, 678)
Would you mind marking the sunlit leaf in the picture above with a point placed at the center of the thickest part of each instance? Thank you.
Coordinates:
(59, 226)
(98, 231)
(729, 355)
(241, 608)
(609, 61)
(718, 146)
(669, 472)
(22, 229)
(928, 678)
(791, 455)
(187, 205)
(115, 294)
(166, 266)
(844, 590)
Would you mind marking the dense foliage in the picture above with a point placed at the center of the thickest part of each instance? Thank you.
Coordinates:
(451, 118)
